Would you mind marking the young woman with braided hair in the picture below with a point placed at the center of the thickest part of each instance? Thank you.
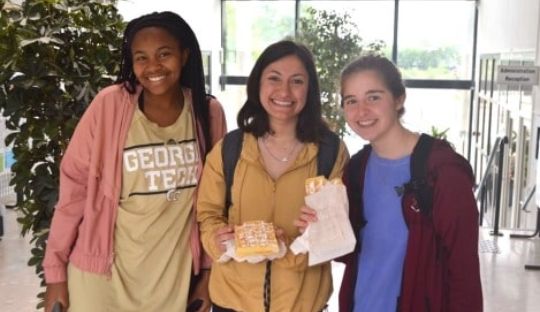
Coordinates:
(123, 236)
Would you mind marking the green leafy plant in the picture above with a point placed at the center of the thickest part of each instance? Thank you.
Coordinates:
(54, 56)
(438, 133)
(333, 38)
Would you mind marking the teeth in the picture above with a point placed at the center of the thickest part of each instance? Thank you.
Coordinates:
(366, 123)
(282, 103)
(157, 78)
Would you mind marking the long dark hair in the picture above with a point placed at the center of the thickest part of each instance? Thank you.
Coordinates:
(252, 116)
(192, 75)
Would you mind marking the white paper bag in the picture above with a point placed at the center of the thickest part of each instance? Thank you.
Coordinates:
(332, 235)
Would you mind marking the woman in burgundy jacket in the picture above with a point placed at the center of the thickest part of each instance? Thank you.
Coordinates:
(417, 239)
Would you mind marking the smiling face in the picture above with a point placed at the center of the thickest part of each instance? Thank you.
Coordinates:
(283, 89)
(157, 60)
(371, 110)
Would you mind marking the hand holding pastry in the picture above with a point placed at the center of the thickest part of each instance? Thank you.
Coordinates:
(307, 216)
(222, 235)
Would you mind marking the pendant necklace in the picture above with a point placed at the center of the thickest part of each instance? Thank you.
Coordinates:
(280, 159)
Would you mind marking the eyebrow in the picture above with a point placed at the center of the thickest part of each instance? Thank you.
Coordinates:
(367, 92)
(375, 91)
(166, 47)
(273, 71)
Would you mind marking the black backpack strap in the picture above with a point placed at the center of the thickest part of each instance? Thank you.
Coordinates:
(355, 165)
(355, 187)
(419, 183)
(328, 152)
(230, 152)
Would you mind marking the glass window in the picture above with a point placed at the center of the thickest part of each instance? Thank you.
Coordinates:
(250, 26)
(428, 111)
(375, 19)
(232, 99)
(207, 68)
(436, 43)
(439, 110)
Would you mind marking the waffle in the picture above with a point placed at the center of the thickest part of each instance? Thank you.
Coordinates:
(313, 185)
(255, 238)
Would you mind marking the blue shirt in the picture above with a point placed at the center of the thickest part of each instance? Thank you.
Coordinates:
(384, 238)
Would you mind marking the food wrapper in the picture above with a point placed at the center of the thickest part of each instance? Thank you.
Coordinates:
(332, 235)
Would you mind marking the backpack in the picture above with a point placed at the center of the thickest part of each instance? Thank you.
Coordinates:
(418, 184)
(232, 146)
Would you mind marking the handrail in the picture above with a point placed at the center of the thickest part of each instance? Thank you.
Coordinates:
(492, 154)
(480, 193)
(528, 199)
(495, 231)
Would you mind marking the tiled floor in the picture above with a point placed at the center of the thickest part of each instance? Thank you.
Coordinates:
(508, 287)
(18, 282)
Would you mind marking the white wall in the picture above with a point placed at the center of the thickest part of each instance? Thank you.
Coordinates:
(508, 25)
(204, 16)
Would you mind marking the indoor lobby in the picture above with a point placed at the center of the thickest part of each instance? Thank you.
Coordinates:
(452, 54)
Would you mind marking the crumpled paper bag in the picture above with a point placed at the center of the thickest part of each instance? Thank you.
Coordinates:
(332, 235)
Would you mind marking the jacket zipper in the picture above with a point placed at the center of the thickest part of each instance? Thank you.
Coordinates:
(427, 304)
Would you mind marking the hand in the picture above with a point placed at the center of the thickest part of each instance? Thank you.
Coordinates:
(56, 292)
(201, 292)
(222, 235)
(307, 216)
(280, 234)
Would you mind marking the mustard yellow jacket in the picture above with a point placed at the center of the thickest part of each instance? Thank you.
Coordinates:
(256, 196)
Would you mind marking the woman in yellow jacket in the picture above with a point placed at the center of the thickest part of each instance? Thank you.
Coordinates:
(282, 125)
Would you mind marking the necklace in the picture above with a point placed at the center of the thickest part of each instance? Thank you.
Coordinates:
(280, 159)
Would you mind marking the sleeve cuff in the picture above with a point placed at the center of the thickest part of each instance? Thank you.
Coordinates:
(55, 274)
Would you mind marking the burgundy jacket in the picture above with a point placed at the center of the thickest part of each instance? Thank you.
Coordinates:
(441, 271)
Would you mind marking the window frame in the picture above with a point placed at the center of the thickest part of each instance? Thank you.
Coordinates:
(457, 84)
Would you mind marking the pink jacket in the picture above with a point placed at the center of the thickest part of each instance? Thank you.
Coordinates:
(83, 224)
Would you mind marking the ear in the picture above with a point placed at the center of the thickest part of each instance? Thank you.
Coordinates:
(400, 101)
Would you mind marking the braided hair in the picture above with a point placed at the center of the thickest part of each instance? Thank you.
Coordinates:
(192, 75)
